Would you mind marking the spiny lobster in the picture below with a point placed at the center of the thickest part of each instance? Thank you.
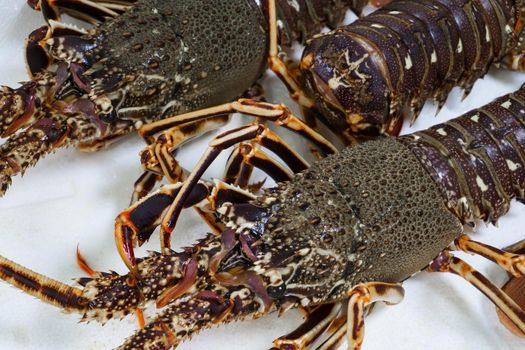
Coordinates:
(143, 61)
(379, 178)
(361, 79)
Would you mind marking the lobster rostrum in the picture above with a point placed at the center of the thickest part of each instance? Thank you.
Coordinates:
(364, 77)
(143, 61)
(337, 237)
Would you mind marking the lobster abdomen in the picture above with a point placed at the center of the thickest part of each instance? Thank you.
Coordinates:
(478, 159)
(301, 19)
(365, 74)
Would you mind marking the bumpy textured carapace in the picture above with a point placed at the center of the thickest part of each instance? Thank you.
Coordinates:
(143, 61)
(365, 76)
(376, 212)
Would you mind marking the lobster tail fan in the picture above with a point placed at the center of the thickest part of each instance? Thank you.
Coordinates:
(46, 289)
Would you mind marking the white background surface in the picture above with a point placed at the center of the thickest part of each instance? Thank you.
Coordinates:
(72, 198)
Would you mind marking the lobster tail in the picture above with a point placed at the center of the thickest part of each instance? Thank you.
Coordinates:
(478, 159)
(58, 294)
(304, 18)
(367, 74)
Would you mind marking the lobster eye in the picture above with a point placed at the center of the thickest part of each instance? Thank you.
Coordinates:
(276, 292)
(109, 117)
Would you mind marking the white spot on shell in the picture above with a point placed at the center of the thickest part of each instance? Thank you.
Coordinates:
(487, 36)
(295, 5)
(460, 46)
(434, 58)
(475, 118)
(408, 62)
(303, 252)
(506, 104)
(375, 25)
(482, 185)
(441, 132)
(512, 166)
(335, 82)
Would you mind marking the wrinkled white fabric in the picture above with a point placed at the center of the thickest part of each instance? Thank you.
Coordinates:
(72, 198)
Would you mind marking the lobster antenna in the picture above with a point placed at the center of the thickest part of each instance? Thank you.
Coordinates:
(53, 292)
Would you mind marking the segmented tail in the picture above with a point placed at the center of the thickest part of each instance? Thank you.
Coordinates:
(478, 159)
(301, 19)
(61, 295)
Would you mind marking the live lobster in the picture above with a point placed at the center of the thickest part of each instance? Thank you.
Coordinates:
(143, 61)
(354, 225)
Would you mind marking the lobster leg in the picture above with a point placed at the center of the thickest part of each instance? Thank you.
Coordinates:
(513, 263)
(144, 185)
(362, 296)
(216, 146)
(137, 223)
(280, 115)
(338, 330)
(515, 288)
(158, 158)
(254, 157)
(91, 11)
(246, 156)
(446, 262)
(276, 64)
(328, 318)
(512, 260)
(237, 171)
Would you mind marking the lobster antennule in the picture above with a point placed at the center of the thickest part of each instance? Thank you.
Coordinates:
(53, 292)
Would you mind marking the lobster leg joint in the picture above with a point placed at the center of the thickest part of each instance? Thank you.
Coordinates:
(362, 296)
(446, 262)
(513, 263)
